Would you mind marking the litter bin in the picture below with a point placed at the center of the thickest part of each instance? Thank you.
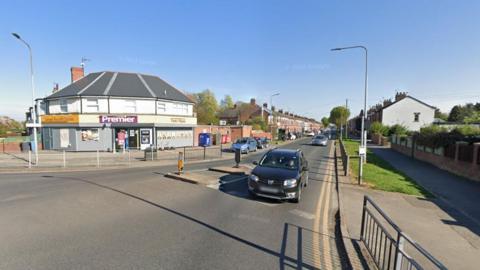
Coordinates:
(204, 139)
(25, 146)
(150, 153)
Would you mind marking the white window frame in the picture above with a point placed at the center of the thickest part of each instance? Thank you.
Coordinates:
(64, 105)
(130, 106)
(181, 108)
(92, 105)
(161, 107)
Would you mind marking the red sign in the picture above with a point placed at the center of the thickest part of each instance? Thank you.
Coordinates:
(117, 119)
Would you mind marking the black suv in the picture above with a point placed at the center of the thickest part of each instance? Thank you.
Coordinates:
(280, 174)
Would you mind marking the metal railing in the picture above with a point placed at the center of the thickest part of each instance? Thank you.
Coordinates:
(128, 157)
(389, 251)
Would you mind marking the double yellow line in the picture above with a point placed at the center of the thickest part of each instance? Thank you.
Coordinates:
(323, 200)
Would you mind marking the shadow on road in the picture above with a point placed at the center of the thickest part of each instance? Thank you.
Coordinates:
(304, 249)
(237, 186)
(298, 243)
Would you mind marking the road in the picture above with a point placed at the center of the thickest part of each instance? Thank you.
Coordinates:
(137, 219)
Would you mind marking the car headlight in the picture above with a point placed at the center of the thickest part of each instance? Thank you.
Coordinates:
(253, 177)
(290, 183)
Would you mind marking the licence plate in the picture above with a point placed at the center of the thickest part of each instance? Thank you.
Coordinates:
(268, 189)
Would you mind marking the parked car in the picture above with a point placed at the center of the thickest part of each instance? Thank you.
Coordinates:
(245, 145)
(262, 143)
(320, 140)
(309, 134)
(281, 174)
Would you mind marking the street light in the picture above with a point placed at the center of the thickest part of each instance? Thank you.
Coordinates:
(34, 114)
(273, 115)
(363, 137)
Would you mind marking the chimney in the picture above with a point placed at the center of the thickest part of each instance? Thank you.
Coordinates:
(77, 73)
(400, 95)
(252, 101)
(55, 87)
(280, 111)
(273, 108)
(265, 105)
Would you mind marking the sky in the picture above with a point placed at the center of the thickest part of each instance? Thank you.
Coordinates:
(251, 49)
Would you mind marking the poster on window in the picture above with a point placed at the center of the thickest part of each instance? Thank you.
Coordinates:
(89, 134)
(64, 138)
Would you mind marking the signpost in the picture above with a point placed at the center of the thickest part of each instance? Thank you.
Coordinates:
(237, 157)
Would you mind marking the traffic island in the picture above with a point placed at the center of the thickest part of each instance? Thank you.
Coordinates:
(241, 170)
(194, 178)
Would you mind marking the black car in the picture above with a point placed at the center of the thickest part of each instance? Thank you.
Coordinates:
(280, 174)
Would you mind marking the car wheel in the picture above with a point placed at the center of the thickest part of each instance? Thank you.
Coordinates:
(252, 194)
(299, 196)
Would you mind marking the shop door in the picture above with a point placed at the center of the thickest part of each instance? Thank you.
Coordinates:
(133, 138)
(145, 138)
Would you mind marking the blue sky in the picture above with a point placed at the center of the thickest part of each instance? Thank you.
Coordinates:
(430, 49)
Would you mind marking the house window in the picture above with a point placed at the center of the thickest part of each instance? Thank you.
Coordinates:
(161, 107)
(130, 106)
(181, 108)
(92, 105)
(63, 106)
(416, 117)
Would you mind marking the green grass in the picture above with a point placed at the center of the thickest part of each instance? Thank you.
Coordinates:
(379, 174)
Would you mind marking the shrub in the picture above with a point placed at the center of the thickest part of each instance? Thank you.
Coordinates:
(466, 130)
(379, 128)
(398, 129)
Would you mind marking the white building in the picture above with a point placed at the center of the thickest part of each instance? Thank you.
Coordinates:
(406, 110)
(114, 110)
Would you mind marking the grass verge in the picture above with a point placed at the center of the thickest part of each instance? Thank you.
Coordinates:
(379, 174)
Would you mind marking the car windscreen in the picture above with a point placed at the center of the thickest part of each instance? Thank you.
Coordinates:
(280, 160)
(320, 137)
(242, 141)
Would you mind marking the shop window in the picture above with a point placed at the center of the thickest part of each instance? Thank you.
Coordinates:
(90, 134)
(92, 105)
(63, 105)
(161, 107)
(130, 106)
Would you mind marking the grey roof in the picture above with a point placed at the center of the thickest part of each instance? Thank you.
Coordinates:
(417, 100)
(121, 84)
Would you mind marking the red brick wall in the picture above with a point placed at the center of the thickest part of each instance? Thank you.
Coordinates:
(14, 147)
(465, 169)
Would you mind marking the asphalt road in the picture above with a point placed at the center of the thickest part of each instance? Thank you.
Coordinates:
(138, 219)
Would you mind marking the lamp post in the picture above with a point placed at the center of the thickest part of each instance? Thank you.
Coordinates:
(34, 113)
(363, 138)
(273, 114)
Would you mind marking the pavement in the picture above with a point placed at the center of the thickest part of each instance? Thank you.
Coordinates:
(135, 218)
(446, 226)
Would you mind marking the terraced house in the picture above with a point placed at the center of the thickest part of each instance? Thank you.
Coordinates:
(111, 110)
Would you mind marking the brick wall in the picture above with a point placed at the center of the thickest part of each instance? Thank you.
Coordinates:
(13, 147)
(469, 170)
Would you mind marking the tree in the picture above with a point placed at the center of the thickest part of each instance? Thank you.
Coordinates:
(325, 121)
(460, 112)
(440, 115)
(207, 107)
(227, 102)
(257, 123)
(339, 115)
